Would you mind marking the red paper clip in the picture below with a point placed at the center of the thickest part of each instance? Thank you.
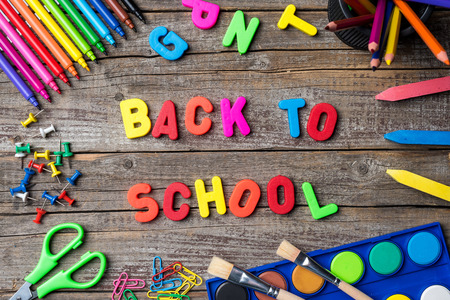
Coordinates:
(173, 268)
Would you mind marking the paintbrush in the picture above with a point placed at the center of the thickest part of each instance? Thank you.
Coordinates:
(290, 252)
(225, 270)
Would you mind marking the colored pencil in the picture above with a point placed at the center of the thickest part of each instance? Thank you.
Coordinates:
(376, 56)
(423, 31)
(121, 13)
(349, 23)
(375, 34)
(421, 183)
(88, 32)
(23, 67)
(133, 8)
(43, 34)
(394, 33)
(416, 89)
(33, 41)
(98, 24)
(368, 5)
(57, 32)
(358, 7)
(442, 3)
(18, 81)
(28, 54)
(108, 17)
(419, 137)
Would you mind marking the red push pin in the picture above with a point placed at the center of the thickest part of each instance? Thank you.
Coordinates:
(38, 167)
(65, 197)
(40, 213)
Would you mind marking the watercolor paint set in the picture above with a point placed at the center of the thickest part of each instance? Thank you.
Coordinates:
(406, 265)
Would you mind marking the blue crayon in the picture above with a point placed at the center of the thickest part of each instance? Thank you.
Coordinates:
(95, 21)
(108, 17)
(419, 137)
(18, 81)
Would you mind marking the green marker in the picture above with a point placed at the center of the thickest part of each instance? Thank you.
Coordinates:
(83, 25)
(69, 28)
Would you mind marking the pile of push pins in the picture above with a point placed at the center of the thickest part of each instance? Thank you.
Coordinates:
(23, 150)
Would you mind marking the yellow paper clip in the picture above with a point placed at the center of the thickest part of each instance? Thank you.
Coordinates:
(172, 296)
(192, 277)
(161, 292)
(185, 287)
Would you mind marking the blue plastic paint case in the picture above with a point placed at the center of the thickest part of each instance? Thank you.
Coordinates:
(425, 263)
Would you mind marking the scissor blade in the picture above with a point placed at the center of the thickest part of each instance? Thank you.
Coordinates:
(24, 293)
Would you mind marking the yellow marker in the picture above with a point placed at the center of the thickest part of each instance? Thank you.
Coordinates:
(216, 195)
(63, 39)
(368, 5)
(394, 32)
(421, 183)
(135, 118)
(288, 18)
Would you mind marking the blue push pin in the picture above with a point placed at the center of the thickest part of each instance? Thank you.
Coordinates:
(52, 199)
(72, 179)
(20, 188)
(28, 173)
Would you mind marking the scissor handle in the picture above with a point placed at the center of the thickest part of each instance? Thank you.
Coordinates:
(64, 278)
(48, 260)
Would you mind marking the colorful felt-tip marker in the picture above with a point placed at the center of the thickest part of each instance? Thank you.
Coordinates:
(23, 67)
(133, 8)
(33, 41)
(415, 89)
(88, 32)
(43, 34)
(108, 17)
(57, 32)
(69, 28)
(27, 53)
(421, 183)
(121, 13)
(419, 137)
(18, 81)
(95, 21)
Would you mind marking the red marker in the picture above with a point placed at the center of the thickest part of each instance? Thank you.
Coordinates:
(33, 41)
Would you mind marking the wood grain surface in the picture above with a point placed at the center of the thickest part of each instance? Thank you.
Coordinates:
(348, 170)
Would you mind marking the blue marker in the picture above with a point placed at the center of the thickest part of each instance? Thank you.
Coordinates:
(95, 21)
(108, 17)
(18, 81)
(419, 137)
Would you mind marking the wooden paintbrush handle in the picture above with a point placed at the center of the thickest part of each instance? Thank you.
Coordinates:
(353, 292)
(285, 295)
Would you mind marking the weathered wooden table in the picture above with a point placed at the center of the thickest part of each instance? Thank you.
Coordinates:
(349, 169)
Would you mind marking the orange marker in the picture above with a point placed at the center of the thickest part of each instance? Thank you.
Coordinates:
(423, 31)
(51, 44)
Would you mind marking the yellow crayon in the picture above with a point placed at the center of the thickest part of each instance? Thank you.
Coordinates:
(57, 32)
(368, 5)
(421, 183)
(394, 32)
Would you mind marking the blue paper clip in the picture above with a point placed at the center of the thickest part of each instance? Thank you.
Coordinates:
(132, 297)
(157, 285)
(173, 285)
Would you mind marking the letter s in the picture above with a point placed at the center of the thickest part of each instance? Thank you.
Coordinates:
(144, 202)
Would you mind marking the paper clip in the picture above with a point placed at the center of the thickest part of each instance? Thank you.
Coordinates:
(156, 270)
(127, 284)
(185, 287)
(172, 296)
(194, 278)
(164, 293)
(132, 297)
(160, 287)
(170, 268)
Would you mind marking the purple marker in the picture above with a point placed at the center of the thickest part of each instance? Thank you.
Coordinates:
(23, 67)
(18, 81)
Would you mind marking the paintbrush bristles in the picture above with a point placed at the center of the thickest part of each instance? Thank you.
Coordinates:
(288, 251)
(220, 268)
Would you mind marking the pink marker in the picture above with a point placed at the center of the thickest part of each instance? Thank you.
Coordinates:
(27, 53)
(23, 67)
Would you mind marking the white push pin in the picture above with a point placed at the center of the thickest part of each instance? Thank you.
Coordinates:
(45, 131)
(24, 196)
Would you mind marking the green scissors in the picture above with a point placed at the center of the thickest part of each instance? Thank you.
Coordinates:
(49, 260)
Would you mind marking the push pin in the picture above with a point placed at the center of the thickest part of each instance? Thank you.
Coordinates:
(67, 152)
(20, 149)
(45, 131)
(45, 155)
(72, 179)
(20, 188)
(39, 168)
(55, 172)
(50, 198)
(40, 213)
(28, 173)
(65, 197)
(23, 196)
(59, 157)
(31, 119)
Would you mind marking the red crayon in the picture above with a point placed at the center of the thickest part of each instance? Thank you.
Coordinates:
(33, 41)
(375, 34)
(349, 23)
